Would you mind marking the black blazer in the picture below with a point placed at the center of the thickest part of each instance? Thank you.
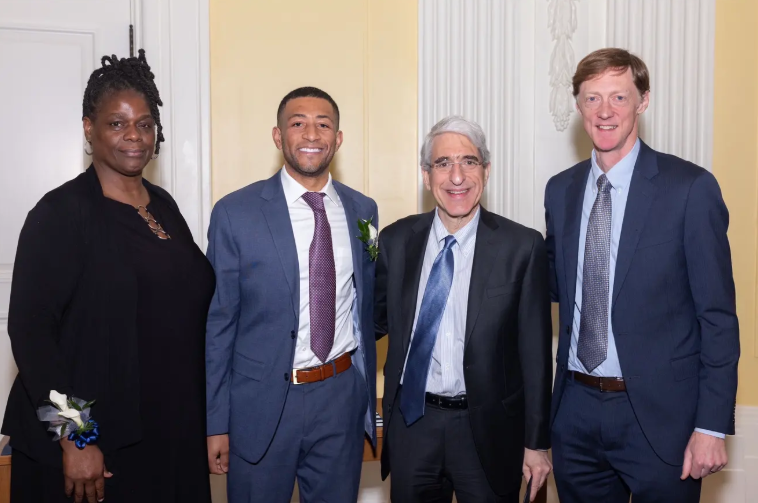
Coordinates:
(507, 355)
(72, 318)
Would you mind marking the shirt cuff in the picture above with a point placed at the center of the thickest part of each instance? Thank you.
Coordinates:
(711, 433)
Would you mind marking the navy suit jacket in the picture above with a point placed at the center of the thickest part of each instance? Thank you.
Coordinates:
(673, 303)
(254, 316)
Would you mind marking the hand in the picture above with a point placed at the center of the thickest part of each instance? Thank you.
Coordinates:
(536, 467)
(84, 472)
(704, 455)
(218, 454)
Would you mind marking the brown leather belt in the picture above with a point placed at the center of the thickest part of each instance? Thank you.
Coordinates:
(610, 384)
(325, 371)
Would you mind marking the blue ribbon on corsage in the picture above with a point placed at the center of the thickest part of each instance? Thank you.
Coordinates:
(70, 418)
(87, 436)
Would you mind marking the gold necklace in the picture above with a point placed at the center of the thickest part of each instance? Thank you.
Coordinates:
(152, 223)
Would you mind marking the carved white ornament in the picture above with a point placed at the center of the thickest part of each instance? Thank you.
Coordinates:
(562, 24)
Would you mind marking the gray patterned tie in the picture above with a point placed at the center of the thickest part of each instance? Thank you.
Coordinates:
(593, 328)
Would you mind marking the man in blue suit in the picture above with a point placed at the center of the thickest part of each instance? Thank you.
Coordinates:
(646, 376)
(290, 349)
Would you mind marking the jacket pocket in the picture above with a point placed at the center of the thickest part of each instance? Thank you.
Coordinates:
(248, 367)
(686, 367)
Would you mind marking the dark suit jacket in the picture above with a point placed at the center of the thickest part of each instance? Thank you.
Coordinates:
(673, 305)
(506, 361)
(72, 318)
(254, 315)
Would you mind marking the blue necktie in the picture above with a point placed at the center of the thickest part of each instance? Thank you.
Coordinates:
(413, 394)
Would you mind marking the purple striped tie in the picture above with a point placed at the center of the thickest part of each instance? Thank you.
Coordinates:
(322, 279)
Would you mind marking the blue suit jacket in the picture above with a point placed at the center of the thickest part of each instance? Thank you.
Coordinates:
(673, 302)
(253, 318)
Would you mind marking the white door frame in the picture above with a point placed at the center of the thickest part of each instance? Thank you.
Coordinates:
(176, 37)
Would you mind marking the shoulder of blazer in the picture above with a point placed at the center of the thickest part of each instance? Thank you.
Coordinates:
(673, 166)
(566, 176)
(514, 231)
(411, 223)
(363, 200)
(251, 196)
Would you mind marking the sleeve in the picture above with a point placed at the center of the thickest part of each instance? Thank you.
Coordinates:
(223, 316)
(709, 268)
(380, 290)
(550, 245)
(49, 261)
(535, 347)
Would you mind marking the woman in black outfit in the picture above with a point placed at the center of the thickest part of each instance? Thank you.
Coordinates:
(108, 303)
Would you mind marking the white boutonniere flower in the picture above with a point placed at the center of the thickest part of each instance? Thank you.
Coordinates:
(370, 237)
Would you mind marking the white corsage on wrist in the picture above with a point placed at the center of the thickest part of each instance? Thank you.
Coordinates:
(70, 417)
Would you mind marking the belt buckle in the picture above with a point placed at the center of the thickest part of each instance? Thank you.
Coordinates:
(294, 377)
(600, 385)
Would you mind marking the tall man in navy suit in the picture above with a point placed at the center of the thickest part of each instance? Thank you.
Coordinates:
(646, 374)
(290, 350)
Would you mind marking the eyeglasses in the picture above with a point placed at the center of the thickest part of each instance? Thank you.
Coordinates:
(467, 165)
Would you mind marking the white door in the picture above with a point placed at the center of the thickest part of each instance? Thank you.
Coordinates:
(48, 48)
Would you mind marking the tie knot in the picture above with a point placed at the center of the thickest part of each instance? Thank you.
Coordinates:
(449, 242)
(603, 185)
(315, 200)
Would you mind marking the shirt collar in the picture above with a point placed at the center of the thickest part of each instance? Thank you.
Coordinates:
(465, 237)
(619, 175)
(294, 191)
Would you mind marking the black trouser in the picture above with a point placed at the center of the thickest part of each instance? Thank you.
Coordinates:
(435, 457)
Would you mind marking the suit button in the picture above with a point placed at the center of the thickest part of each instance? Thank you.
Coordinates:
(292, 334)
(400, 372)
(568, 329)
(286, 376)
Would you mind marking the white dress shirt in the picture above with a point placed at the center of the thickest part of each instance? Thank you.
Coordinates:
(303, 226)
(446, 369)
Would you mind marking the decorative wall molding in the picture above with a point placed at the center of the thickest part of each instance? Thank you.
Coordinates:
(562, 24)
(6, 276)
(175, 34)
(675, 38)
(476, 59)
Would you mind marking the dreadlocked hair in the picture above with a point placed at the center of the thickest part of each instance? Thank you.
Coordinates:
(120, 75)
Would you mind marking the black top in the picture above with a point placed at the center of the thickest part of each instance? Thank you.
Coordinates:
(175, 283)
(99, 311)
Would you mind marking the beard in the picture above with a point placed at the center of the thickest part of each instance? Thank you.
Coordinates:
(308, 171)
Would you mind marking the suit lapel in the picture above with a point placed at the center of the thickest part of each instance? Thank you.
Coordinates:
(641, 194)
(485, 254)
(415, 247)
(278, 219)
(352, 214)
(574, 200)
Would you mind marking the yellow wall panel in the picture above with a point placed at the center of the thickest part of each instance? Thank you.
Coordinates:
(735, 164)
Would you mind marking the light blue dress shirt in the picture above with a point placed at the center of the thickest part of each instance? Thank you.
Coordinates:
(620, 177)
(446, 368)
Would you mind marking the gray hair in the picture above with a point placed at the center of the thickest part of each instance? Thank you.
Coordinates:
(459, 125)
